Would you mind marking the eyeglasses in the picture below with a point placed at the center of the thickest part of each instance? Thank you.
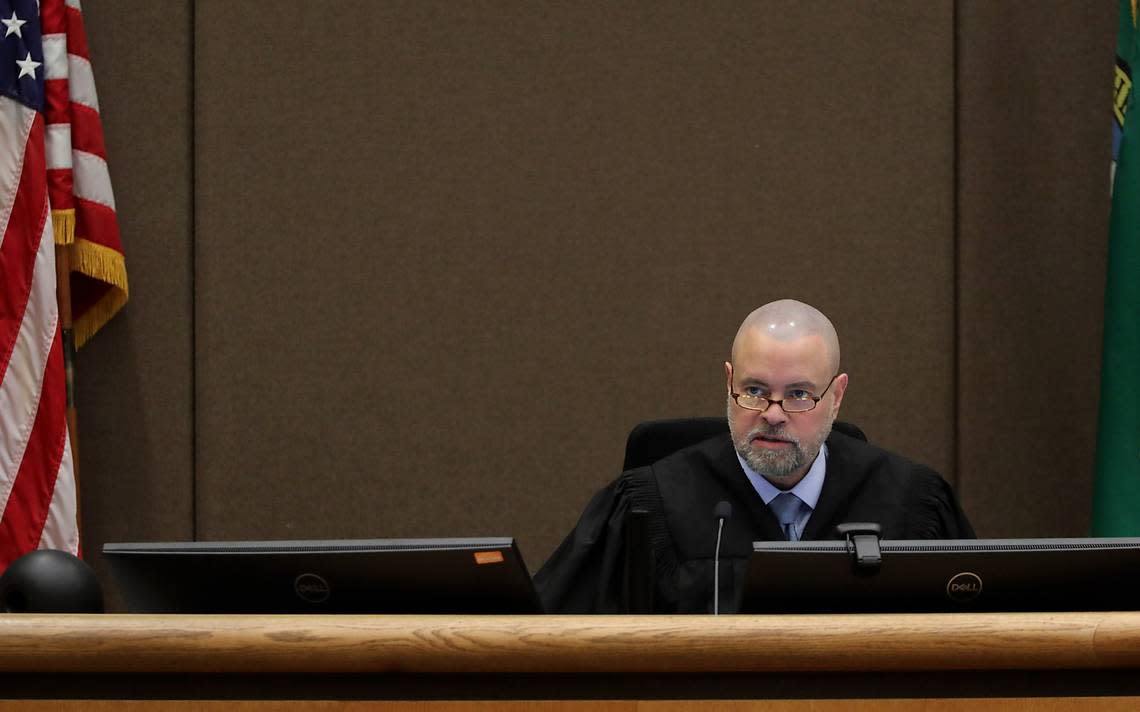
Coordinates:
(797, 404)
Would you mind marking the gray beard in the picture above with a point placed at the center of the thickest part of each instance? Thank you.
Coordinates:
(775, 465)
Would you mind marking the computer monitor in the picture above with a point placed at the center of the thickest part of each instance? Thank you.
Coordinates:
(335, 576)
(946, 575)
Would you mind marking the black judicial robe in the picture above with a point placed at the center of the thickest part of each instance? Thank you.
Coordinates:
(864, 483)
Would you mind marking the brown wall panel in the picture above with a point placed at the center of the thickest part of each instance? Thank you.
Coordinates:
(1034, 149)
(448, 260)
(134, 377)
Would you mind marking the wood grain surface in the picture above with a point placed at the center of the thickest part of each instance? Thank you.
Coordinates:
(574, 644)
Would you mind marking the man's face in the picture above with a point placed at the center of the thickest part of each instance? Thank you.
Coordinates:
(779, 445)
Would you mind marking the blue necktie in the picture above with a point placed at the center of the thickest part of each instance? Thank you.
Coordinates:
(787, 507)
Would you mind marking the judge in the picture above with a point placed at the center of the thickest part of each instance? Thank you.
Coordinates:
(784, 472)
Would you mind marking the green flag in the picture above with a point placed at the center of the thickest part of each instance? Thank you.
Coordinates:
(1116, 501)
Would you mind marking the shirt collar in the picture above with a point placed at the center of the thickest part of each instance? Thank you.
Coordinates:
(807, 489)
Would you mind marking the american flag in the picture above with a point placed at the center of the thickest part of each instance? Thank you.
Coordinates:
(79, 185)
(37, 479)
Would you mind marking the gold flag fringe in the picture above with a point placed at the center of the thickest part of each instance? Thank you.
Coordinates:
(106, 265)
(63, 226)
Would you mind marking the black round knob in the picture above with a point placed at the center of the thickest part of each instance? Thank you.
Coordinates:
(50, 581)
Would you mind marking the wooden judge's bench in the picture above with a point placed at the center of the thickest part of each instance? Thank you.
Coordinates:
(932, 662)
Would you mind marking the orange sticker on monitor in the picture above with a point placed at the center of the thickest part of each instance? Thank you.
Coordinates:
(488, 557)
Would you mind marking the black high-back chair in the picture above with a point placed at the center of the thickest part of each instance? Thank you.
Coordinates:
(652, 440)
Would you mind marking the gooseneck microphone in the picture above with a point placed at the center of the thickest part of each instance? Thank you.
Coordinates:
(722, 511)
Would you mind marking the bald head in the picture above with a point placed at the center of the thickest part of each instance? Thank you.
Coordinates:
(784, 354)
(789, 320)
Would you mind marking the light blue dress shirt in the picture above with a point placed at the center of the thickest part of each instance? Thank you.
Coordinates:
(807, 489)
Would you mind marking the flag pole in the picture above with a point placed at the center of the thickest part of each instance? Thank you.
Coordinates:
(67, 338)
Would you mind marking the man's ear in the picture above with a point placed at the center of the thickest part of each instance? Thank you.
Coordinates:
(728, 376)
(839, 388)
